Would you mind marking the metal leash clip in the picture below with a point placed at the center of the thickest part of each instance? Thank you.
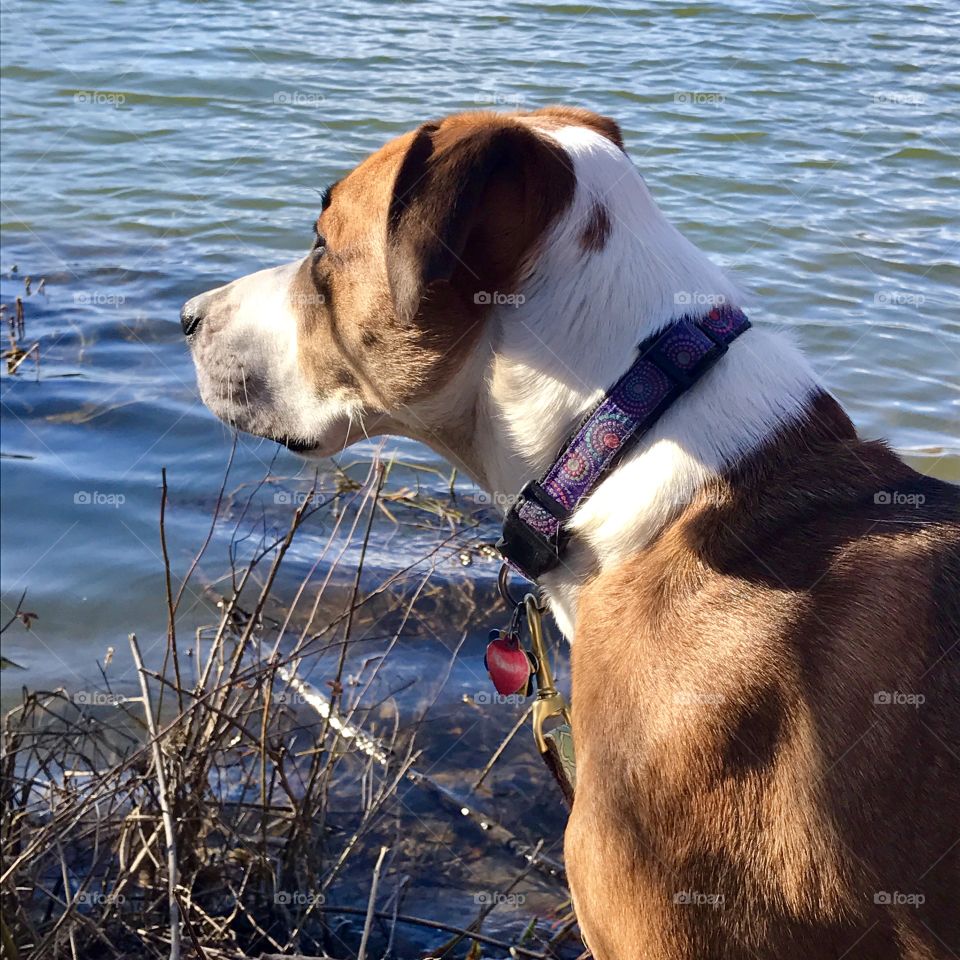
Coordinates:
(556, 744)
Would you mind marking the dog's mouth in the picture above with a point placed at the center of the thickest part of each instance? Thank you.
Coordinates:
(298, 445)
(335, 440)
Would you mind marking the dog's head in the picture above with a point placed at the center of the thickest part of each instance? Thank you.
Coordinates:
(384, 326)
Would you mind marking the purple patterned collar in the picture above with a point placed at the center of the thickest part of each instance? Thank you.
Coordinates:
(668, 364)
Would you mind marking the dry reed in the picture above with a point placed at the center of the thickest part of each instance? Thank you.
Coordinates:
(235, 809)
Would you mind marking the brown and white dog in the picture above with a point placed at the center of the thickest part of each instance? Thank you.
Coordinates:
(764, 609)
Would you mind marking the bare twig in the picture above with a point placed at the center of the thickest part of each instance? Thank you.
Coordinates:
(430, 925)
(16, 612)
(495, 756)
(371, 905)
(173, 875)
(134, 832)
(171, 619)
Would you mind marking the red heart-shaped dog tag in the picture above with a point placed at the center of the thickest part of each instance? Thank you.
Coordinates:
(508, 664)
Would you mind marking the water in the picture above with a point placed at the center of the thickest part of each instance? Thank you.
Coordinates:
(152, 151)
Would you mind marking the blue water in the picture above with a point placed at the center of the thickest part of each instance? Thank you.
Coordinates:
(151, 151)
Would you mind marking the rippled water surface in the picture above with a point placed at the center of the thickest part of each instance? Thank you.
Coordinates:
(153, 150)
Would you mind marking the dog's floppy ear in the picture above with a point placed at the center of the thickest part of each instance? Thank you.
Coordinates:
(581, 117)
(471, 198)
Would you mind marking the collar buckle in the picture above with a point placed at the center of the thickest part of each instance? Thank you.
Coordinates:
(535, 492)
(527, 550)
(530, 550)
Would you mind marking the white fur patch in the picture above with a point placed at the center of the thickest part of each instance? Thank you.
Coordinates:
(583, 316)
(246, 352)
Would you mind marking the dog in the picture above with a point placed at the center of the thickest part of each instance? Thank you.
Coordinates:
(764, 609)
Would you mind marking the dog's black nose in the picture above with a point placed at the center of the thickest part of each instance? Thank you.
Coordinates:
(191, 316)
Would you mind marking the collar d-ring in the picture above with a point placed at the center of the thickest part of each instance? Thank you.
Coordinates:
(503, 587)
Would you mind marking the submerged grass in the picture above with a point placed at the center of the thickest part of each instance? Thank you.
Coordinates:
(235, 809)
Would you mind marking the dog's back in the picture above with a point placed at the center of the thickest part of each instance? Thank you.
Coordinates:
(766, 710)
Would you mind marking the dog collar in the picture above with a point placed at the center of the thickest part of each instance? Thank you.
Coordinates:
(668, 364)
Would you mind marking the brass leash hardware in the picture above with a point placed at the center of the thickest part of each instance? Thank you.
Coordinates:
(556, 744)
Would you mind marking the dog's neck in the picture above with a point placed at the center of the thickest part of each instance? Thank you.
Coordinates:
(574, 331)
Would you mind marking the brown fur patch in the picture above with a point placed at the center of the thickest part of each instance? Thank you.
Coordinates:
(741, 791)
(472, 197)
(593, 237)
(417, 237)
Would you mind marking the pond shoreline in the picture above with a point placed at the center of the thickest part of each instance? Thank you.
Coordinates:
(215, 768)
